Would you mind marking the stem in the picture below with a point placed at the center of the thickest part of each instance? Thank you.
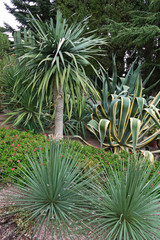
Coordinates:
(59, 113)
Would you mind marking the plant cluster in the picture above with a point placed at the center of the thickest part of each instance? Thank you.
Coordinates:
(124, 117)
(60, 192)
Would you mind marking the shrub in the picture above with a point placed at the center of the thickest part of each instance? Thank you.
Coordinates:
(15, 145)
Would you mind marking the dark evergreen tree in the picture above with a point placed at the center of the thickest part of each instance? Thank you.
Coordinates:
(132, 28)
(44, 8)
(137, 32)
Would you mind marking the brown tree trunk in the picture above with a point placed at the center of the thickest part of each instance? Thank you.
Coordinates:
(59, 113)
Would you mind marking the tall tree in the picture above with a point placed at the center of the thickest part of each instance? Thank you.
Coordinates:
(21, 8)
(57, 54)
(132, 29)
(137, 33)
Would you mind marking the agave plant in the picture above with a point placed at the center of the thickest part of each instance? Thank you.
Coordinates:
(128, 204)
(125, 121)
(51, 192)
(121, 86)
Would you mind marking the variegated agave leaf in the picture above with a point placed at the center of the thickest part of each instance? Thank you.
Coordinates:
(127, 122)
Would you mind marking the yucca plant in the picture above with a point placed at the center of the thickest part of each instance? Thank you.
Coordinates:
(51, 192)
(57, 56)
(26, 113)
(18, 99)
(8, 78)
(126, 122)
(126, 204)
(77, 114)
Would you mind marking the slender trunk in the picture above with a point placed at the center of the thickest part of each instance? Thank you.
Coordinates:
(59, 114)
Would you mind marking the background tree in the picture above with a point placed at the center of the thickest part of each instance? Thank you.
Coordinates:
(45, 9)
(137, 33)
(130, 26)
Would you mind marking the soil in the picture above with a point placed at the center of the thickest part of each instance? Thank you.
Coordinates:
(9, 225)
(3, 117)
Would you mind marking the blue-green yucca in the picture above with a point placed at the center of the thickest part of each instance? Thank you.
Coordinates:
(50, 192)
(127, 204)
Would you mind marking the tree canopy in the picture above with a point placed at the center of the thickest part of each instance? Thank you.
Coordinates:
(132, 29)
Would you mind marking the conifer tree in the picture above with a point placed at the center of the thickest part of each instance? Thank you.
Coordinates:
(132, 28)
(21, 8)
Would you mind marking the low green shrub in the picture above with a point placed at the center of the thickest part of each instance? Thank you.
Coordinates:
(15, 145)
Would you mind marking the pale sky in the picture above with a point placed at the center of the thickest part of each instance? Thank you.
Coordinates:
(5, 16)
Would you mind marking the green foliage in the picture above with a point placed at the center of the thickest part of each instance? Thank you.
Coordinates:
(122, 86)
(123, 122)
(128, 204)
(51, 192)
(4, 49)
(76, 115)
(10, 75)
(17, 98)
(4, 45)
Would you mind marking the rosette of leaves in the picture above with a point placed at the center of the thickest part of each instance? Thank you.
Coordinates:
(51, 192)
(123, 122)
(126, 203)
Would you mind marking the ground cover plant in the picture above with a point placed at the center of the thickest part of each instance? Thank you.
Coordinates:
(15, 145)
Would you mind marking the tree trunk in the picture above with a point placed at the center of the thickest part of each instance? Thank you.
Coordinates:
(59, 114)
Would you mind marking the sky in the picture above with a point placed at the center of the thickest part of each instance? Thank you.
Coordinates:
(5, 16)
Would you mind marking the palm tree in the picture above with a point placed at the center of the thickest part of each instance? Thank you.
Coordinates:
(57, 55)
